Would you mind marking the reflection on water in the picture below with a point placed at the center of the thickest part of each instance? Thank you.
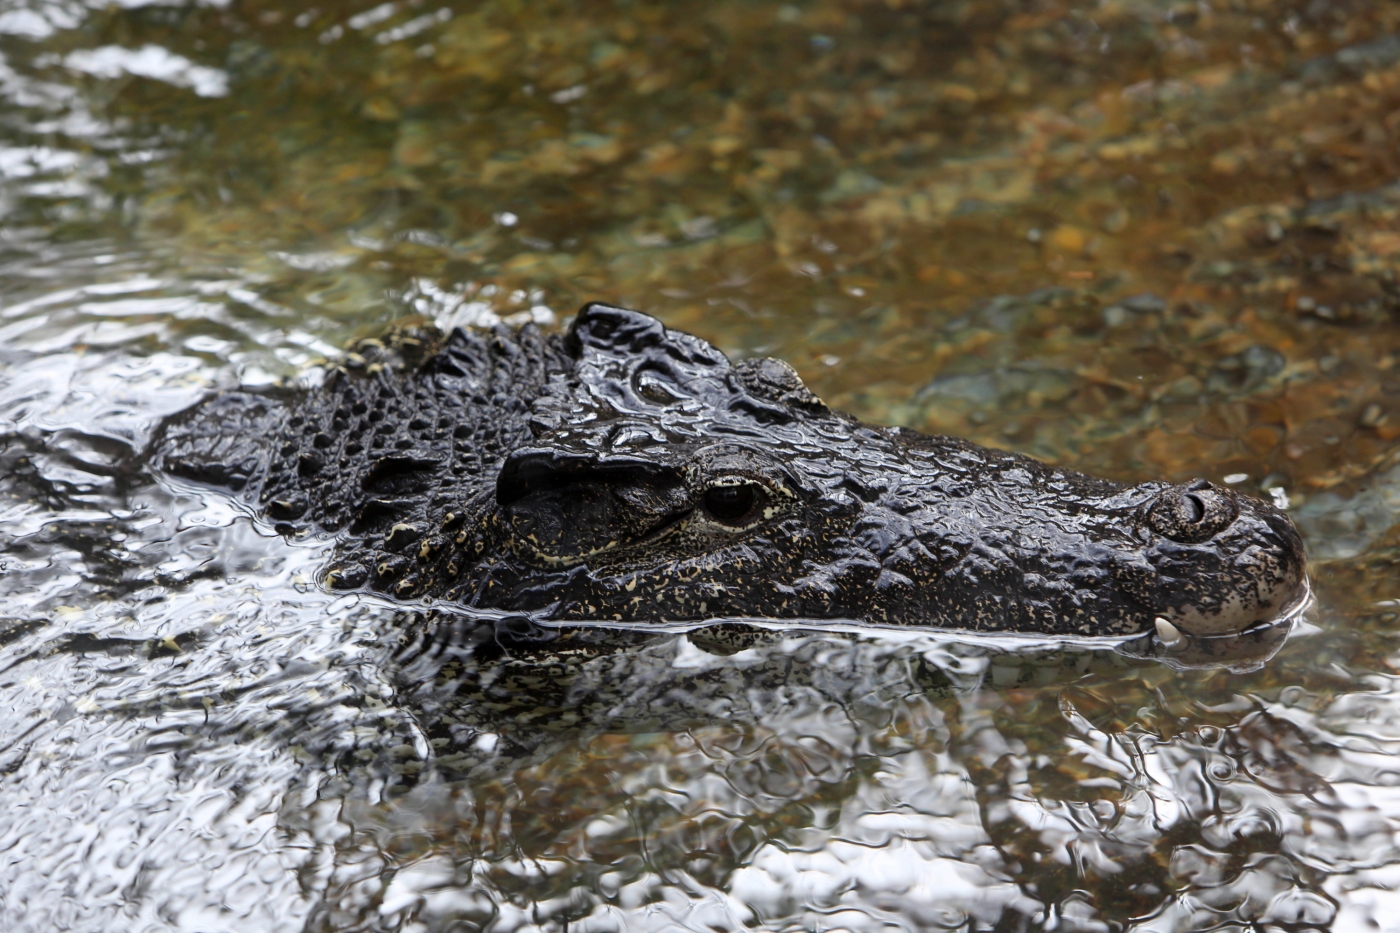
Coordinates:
(1147, 238)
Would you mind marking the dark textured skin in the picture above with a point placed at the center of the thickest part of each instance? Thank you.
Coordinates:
(625, 472)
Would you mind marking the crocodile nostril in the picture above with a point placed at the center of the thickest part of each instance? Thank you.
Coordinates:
(1192, 512)
(1193, 509)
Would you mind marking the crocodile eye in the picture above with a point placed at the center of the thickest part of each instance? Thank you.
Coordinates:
(734, 504)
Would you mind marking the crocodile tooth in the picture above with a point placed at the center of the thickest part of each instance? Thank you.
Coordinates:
(1169, 635)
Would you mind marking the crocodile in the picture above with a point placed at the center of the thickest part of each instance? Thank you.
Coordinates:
(623, 472)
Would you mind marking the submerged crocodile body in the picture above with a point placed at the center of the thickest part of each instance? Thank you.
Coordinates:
(624, 472)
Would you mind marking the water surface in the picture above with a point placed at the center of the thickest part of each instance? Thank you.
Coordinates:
(1146, 239)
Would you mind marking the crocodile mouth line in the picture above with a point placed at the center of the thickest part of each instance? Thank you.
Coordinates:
(1241, 651)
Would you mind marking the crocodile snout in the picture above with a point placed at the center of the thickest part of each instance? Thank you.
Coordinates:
(1225, 562)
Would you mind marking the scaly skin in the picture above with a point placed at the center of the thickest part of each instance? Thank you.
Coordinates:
(625, 472)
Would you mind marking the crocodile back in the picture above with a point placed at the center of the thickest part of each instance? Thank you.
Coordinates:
(404, 427)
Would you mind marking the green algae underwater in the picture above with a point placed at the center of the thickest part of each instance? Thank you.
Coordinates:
(1144, 239)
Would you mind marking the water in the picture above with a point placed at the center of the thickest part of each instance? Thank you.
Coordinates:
(1143, 238)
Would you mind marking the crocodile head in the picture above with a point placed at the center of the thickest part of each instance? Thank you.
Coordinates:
(664, 482)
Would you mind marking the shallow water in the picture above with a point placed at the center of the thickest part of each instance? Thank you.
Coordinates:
(1142, 238)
